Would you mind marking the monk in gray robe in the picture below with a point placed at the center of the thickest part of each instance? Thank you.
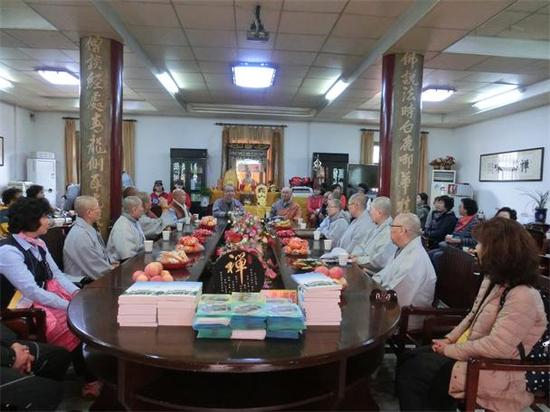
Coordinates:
(375, 252)
(360, 228)
(335, 224)
(153, 226)
(410, 272)
(126, 239)
(84, 252)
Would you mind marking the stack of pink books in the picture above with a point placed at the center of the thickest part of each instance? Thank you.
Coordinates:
(137, 306)
(319, 298)
(177, 303)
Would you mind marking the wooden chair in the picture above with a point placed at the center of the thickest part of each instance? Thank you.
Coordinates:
(476, 365)
(456, 289)
(28, 324)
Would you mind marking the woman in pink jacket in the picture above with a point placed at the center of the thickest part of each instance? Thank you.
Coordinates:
(433, 378)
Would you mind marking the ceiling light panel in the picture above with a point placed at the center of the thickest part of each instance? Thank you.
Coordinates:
(255, 76)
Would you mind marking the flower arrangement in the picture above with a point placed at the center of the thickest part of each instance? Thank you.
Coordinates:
(248, 235)
(443, 162)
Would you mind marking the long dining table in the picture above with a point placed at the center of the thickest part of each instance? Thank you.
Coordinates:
(167, 367)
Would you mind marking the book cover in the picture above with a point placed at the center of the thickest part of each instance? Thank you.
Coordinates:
(239, 298)
(314, 280)
(215, 298)
(214, 309)
(279, 295)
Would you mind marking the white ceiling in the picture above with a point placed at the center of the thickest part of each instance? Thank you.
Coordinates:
(313, 42)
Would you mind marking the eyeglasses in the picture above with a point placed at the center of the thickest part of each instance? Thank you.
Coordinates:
(396, 225)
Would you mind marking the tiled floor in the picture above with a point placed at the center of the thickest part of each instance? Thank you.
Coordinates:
(383, 390)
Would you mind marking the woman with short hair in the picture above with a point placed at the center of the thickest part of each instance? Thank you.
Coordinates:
(508, 313)
(29, 271)
(443, 222)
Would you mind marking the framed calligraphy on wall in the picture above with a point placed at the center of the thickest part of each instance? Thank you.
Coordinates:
(515, 166)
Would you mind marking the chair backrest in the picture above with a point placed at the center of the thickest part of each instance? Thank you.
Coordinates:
(538, 236)
(457, 282)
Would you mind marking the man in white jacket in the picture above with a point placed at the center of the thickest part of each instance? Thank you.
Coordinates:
(377, 250)
(410, 272)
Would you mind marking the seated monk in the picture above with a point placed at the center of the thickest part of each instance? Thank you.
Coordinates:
(285, 207)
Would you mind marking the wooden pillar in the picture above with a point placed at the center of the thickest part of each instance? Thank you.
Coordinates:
(101, 124)
(400, 129)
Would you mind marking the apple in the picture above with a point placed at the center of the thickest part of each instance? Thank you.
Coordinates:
(167, 278)
(156, 279)
(322, 269)
(153, 269)
(138, 273)
(336, 272)
(164, 273)
(142, 278)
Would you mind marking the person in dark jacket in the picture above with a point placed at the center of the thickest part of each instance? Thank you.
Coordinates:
(422, 208)
(443, 223)
(30, 373)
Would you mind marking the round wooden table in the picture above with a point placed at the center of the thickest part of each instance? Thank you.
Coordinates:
(168, 368)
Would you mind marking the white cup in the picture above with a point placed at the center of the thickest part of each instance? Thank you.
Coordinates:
(343, 259)
(328, 244)
(548, 235)
(268, 214)
(317, 235)
(196, 216)
(165, 235)
(303, 225)
(187, 220)
(179, 226)
(300, 221)
(148, 246)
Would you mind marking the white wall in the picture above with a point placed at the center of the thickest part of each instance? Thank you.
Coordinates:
(522, 130)
(155, 136)
(16, 128)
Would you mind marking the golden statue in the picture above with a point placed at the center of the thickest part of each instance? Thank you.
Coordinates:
(261, 195)
(230, 178)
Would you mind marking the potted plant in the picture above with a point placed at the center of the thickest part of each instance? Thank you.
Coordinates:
(445, 163)
(540, 199)
(205, 196)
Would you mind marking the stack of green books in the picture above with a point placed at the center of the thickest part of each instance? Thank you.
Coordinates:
(213, 317)
(284, 320)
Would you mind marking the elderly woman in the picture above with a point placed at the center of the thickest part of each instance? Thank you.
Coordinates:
(443, 221)
(508, 313)
(30, 273)
(462, 234)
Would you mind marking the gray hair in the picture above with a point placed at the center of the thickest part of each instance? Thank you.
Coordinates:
(144, 197)
(410, 222)
(228, 187)
(382, 204)
(83, 204)
(129, 203)
(336, 203)
(359, 199)
(286, 189)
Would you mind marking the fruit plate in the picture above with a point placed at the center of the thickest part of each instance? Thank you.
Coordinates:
(295, 252)
(306, 264)
(174, 266)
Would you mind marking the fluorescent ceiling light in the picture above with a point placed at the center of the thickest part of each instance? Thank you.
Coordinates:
(434, 94)
(5, 84)
(168, 83)
(253, 75)
(59, 77)
(499, 100)
(336, 90)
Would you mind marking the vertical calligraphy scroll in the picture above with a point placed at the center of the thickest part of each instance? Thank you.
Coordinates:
(96, 120)
(405, 129)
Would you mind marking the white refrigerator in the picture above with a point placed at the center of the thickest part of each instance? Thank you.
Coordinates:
(42, 172)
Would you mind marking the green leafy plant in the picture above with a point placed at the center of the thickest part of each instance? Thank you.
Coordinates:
(540, 198)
